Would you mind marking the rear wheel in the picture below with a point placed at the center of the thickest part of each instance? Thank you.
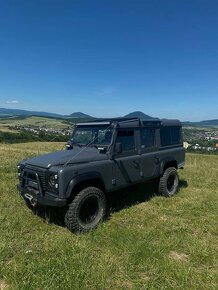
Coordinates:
(86, 211)
(169, 182)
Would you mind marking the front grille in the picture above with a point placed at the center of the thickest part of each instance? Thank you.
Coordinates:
(43, 179)
(29, 179)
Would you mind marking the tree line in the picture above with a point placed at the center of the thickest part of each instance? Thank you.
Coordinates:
(22, 137)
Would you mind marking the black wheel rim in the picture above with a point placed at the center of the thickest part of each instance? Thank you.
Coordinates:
(171, 183)
(89, 210)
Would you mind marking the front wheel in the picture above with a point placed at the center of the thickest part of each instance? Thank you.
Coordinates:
(86, 211)
(169, 182)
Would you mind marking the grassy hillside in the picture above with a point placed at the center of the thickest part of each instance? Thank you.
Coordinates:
(34, 121)
(149, 242)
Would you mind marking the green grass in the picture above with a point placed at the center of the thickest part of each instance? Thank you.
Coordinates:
(149, 242)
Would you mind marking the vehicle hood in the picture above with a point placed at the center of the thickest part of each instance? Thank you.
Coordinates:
(76, 155)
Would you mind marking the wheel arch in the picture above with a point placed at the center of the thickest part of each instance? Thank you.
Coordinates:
(83, 181)
(166, 163)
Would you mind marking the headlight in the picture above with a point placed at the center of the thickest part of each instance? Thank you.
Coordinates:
(20, 170)
(53, 180)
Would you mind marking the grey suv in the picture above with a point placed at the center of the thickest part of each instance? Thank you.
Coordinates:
(103, 156)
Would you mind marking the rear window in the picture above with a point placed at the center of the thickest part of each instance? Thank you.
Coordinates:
(170, 136)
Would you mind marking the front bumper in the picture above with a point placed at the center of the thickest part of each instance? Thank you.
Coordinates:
(36, 199)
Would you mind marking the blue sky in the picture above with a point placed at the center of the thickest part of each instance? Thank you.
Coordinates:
(108, 58)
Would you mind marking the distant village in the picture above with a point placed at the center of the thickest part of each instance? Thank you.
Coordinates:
(36, 130)
(201, 140)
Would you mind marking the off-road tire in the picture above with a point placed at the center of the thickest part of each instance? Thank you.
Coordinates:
(89, 201)
(169, 182)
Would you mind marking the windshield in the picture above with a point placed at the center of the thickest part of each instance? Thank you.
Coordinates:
(92, 135)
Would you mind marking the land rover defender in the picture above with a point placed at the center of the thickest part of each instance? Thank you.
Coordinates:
(103, 156)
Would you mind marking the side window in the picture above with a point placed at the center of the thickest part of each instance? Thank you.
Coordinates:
(176, 135)
(147, 137)
(170, 136)
(165, 136)
(126, 138)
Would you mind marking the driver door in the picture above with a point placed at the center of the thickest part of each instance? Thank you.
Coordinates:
(126, 164)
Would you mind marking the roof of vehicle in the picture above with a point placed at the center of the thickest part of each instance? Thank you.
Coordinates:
(131, 122)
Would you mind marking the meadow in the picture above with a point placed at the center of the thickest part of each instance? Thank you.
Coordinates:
(147, 242)
(32, 121)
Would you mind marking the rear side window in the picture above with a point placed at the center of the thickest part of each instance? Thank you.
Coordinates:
(176, 135)
(170, 136)
(126, 138)
(147, 137)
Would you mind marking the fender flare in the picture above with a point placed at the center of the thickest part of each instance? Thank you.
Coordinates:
(82, 178)
(165, 161)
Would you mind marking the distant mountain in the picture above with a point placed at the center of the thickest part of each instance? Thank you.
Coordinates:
(4, 113)
(138, 114)
(17, 112)
(210, 122)
(205, 123)
(80, 115)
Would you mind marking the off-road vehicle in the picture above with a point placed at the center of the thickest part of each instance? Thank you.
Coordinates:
(103, 156)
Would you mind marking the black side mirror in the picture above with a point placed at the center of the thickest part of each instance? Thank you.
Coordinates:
(69, 146)
(118, 148)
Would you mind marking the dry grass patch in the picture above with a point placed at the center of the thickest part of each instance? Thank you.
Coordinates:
(3, 285)
(178, 256)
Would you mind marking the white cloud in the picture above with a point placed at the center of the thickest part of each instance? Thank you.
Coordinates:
(13, 102)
